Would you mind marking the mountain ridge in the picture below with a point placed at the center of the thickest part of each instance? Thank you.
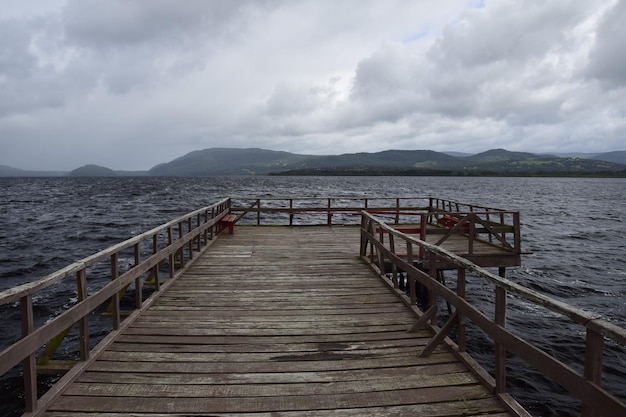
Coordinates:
(257, 161)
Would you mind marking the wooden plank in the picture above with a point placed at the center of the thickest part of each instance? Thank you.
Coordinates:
(272, 403)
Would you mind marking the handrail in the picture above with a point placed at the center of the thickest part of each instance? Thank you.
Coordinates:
(500, 228)
(290, 207)
(587, 386)
(195, 231)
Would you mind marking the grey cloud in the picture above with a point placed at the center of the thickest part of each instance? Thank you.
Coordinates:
(124, 23)
(513, 31)
(607, 58)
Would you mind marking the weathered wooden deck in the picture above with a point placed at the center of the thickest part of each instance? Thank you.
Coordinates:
(287, 323)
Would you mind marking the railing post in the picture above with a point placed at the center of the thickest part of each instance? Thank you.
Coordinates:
(206, 230)
(170, 241)
(394, 268)
(500, 351)
(471, 232)
(397, 210)
(83, 324)
(155, 270)
(29, 364)
(329, 214)
(258, 213)
(214, 226)
(363, 247)
(181, 250)
(410, 279)
(460, 290)
(517, 239)
(381, 258)
(432, 297)
(198, 236)
(594, 347)
(190, 244)
(115, 299)
(138, 295)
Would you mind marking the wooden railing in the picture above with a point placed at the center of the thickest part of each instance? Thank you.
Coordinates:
(439, 219)
(380, 244)
(172, 244)
(326, 210)
(498, 227)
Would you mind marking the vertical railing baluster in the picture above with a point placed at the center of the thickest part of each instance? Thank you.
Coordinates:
(155, 270)
(594, 347)
(213, 227)
(83, 323)
(190, 243)
(500, 351)
(198, 237)
(329, 213)
(471, 232)
(206, 231)
(394, 268)
(181, 250)
(170, 241)
(460, 290)
(381, 258)
(433, 273)
(410, 278)
(29, 363)
(115, 299)
(138, 295)
(397, 210)
(517, 245)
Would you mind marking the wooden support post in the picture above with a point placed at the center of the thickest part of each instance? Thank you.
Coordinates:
(155, 270)
(190, 244)
(83, 324)
(410, 277)
(394, 268)
(381, 258)
(432, 297)
(170, 241)
(199, 237)
(500, 351)
(138, 282)
(180, 253)
(30, 369)
(115, 299)
(594, 347)
(397, 210)
(330, 213)
(460, 290)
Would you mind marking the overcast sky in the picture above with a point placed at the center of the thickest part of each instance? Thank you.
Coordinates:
(128, 84)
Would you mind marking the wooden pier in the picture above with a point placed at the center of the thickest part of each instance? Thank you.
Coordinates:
(299, 320)
(279, 322)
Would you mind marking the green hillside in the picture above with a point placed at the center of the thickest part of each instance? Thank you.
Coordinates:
(225, 161)
(92, 171)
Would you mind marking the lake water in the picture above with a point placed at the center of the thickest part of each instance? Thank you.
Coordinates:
(575, 228)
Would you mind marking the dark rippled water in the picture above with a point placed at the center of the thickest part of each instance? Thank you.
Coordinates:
(575, 228)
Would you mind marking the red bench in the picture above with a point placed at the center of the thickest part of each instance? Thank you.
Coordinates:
(227, 221)
(450, 221)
